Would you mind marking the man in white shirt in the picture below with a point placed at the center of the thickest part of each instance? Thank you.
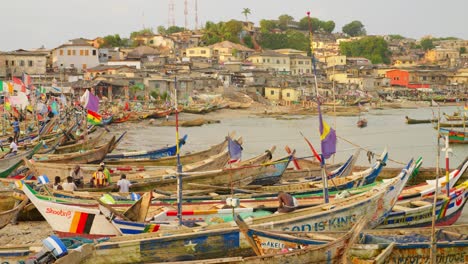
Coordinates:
(69, 185)
(13, 148)
(124, 184)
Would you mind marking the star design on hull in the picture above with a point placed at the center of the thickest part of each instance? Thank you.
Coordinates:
(190, 246)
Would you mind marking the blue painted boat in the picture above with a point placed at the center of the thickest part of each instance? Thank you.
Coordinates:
(149, 154)
(106, 121)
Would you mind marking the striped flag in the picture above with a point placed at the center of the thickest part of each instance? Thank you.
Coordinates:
(7, 104)
(94, 118)
(19, 85)
(3, 86)
(26, 79)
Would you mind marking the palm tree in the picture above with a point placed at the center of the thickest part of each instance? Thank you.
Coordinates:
(246, 12)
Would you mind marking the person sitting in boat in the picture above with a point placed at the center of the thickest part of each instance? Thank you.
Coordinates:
(124, 184)
(106, 172)
(287, 203)
(69, 185)
(77, 175)
(13, 148)
(99, 179)
(57, 185)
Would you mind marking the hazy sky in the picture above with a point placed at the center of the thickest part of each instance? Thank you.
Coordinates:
(32, 23)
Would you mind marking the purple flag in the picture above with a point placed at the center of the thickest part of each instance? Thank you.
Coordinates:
(93, 103)
(235, 150)
(327, 137)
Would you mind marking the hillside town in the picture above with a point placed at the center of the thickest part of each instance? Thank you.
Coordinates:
(148, 66)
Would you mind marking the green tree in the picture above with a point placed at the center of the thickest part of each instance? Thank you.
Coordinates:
(274, 41)
(174, 29)
(246, 12)
(396, 37)
(162, 30)
(267, 25)
(355, 28)
(427, 44)
(217, 32)
(114, 41)
(462, 50)
(284, 20)
(297, 40)
(328, 26)
(145, 31)
(248, 41)
(304, 23)
(372, 48)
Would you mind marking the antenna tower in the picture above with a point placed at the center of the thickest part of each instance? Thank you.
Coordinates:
(186, 14)
(196, 14)
(171, 18)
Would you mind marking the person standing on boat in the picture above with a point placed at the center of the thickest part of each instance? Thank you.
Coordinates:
(13, 148)
(16, 130)
(287, 203)
(106, 173)
(77, 175)
(69, 185)
(99, 179)
(124, 184)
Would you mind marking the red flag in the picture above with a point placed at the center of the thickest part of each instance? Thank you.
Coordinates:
(313, 149)
(17, 82)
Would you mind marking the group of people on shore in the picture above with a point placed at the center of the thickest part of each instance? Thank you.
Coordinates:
(101, 178)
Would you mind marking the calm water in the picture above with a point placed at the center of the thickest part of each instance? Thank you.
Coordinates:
(385, 128)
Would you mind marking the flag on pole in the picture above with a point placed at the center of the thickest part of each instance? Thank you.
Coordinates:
(3, 86)
(90, 101)
(19, 85)
(327, 137)
(94, 118)
(42, 90)
(26, 79)
(7, 104)
(235, 150)
(10, 87)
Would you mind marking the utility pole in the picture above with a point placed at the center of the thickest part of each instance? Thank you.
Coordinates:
(171, 16)
(196, 14)
(186, 14)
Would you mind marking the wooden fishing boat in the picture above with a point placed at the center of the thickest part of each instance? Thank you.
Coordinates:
(455, 136)
(149, 154)
(160, 113)
(454, 117)
(107, 120)
(362, 123)
(7, 163)
(95, 155)
(418, 212)
(172, 161)
(8, 215)
(223, 240)
(122, 119)
(411, 246)
(90, 142)
(411, 121)
(253, 174)
(453, 124)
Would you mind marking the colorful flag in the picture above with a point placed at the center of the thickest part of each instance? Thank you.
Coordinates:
(3, 86)
(7, 104)
(466, 106)
(327, 137)
(26, 79)
(42, 90)
(235, 150)
(90, 101)
(18, 85)
(94, 118)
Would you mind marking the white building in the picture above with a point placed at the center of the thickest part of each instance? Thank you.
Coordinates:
(75, 55)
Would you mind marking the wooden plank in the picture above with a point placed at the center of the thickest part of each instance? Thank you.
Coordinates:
(420, 203)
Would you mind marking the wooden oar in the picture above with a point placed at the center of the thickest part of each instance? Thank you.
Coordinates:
(244, 228)
(294, 160)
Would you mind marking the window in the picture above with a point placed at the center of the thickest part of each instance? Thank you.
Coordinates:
(263, 60)
(6, 63)
(81, 52)
(74, 52)
(84, 66)
(203, 52)
(69, 52)
(61, 52)
(72, 65)
(192, 52)
(86, 52)
(268, 60)
(22, 63)
(94, 52)
(277, 61)
(288, 95)
(272, 92)
(30, 63)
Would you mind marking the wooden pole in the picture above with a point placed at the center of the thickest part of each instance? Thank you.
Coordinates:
(433, 253)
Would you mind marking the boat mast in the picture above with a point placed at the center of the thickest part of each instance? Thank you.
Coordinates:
(179, 165)
(433, 253)
(322, 163)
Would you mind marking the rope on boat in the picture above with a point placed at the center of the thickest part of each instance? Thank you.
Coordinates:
(356, 145)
